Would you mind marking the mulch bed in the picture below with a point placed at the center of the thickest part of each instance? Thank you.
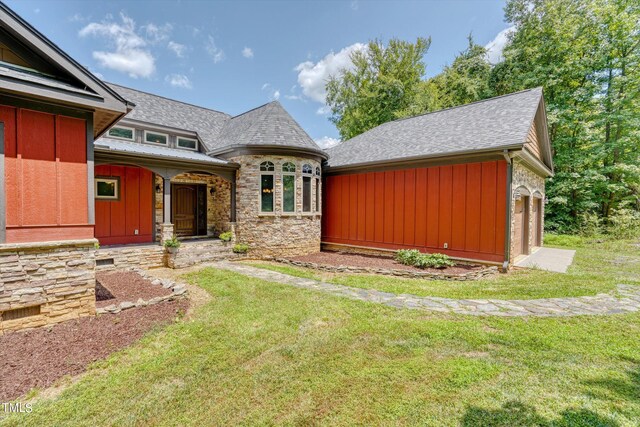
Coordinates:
(369, 261)
(38, 357)
(125, 286)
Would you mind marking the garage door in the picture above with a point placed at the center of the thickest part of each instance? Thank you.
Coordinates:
(518, 228)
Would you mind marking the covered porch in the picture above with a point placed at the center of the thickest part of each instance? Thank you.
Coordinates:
(146, 195)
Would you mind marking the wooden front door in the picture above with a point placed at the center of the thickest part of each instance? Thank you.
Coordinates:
(184, 205)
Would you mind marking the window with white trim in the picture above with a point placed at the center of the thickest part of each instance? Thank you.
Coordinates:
(288, 187)
(156, 137)
(267, 187)
(121, 132)
(107, 187)
(317, 189)
(307, 172)
(188, 143)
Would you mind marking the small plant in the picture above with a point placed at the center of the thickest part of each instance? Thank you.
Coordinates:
(240, 248)
(226, 236)
(172, 243)
(418, 259)
(96, 246)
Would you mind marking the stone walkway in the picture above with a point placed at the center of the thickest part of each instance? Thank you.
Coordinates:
(628, 299)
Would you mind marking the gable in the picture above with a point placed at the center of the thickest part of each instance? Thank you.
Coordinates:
(533, 144)
(34, 67)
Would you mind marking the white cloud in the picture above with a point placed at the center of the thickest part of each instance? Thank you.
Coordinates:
(354, 5)
(178, 80)
(214, 51)
(157, 34)
(247, 52)
(98, 75)
(77, 17)
(495, 46)
(129, 54)
(177, 48)
(276, 95)
(313, 77)
(327, 142)
(323, 111)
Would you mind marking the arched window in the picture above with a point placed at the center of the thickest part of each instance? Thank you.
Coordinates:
(266, 186)
(288, 167)
(307, 172)
(318, 171)
(288, 187)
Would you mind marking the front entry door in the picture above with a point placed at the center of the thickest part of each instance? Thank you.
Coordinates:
(184, 208)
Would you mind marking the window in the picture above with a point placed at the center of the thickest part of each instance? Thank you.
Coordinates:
(288, 187)
(191, 144)
(318, 171)
(318, 195)
(107, 188)
(122, 133)
(266, 187)
(155, 138)
(306, 187)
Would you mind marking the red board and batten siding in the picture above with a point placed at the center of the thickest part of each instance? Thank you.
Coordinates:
(45, 176)
(462, 206)
(118, 220)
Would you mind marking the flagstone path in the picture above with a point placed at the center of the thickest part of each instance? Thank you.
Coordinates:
(627, 299)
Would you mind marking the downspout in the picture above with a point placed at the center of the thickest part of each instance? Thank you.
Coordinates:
(507, 225)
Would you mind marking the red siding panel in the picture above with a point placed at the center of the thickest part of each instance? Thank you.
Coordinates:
(462, 205)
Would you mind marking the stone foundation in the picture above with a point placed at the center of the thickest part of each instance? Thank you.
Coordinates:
(198, 252)
(275, 233)
(46, 283)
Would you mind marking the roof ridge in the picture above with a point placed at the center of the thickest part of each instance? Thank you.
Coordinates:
(170, 99)
(253, 109)
(463, 105)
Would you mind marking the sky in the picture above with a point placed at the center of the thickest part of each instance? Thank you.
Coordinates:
(235, 56)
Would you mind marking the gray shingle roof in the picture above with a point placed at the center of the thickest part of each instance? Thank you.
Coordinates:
(494, 123)
(268, 125)
(167, 112)
(154, 151)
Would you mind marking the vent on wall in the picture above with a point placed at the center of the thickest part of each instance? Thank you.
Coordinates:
(106, 261)
(19, 313)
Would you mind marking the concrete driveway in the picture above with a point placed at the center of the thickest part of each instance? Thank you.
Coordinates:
(550, 259)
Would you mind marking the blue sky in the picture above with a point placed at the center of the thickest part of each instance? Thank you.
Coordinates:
(234, 56)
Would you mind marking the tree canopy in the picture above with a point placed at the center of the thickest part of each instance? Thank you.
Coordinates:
(586, 56)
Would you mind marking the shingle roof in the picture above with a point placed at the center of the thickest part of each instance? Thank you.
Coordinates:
(168, 112)
(268, 125)
(494, 123)
(154, 151)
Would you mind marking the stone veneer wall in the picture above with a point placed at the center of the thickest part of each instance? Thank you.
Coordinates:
(274, 234)
(523, 176)
(59, 277)
(218, 204)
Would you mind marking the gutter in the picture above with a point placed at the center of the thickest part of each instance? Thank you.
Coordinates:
(508, 156)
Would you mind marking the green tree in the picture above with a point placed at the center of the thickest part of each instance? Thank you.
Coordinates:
(384, 81)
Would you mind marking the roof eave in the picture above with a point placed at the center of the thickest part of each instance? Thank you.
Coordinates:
(230, 150)
(401, 160)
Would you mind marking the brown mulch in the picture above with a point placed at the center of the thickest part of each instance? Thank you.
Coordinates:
(125, 286)
(370, 261)
(39, 357)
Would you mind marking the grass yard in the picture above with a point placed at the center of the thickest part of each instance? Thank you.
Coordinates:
(597, 267)
(263, 353)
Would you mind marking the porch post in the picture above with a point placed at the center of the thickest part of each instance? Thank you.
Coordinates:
(166, 232)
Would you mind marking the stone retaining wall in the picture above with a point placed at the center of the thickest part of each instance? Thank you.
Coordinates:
(144, 256)
(47, 282)
(428, 275)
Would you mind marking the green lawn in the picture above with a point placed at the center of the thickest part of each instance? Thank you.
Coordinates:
(268, 354)
(598, 267)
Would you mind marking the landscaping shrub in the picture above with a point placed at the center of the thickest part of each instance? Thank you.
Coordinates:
(418, 259)
(172, 243)
(240, 248)
(226, 236)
